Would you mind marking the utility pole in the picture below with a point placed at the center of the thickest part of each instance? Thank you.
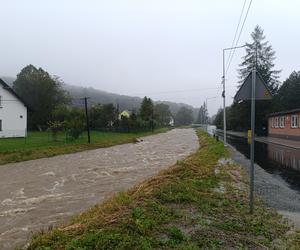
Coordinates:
(206, 119)
(224, 101)
(152, 118)
(87, 119)
(223, 93)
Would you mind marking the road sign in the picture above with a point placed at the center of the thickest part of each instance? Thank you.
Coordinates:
(253, 88)
(261, 90)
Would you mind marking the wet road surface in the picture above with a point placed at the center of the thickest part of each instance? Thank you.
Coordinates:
(276, 174)
(40, 193)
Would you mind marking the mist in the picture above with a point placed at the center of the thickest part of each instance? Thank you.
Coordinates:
(168, 50)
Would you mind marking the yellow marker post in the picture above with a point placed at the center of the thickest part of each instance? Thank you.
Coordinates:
(249, 136)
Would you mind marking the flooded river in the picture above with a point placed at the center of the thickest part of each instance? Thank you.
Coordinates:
(38, 194)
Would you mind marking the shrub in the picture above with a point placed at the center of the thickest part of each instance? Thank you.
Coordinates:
(55, 127)
(75, 128)
(75, 123)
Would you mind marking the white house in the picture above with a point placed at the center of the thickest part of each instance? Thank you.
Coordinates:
(171, 122)
(13, 113)
(125, 113)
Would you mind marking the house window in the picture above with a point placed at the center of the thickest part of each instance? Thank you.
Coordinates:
(294, 121)
(273, 122)
(281, 122)
(276, 122)
(0, 125)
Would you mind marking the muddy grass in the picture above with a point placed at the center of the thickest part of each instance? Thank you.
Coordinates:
(200, 202)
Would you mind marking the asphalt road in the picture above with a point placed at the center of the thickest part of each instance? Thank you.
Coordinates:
(40, 193)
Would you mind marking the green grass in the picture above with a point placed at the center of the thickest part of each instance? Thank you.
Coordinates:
(180, 208)
(40, 144)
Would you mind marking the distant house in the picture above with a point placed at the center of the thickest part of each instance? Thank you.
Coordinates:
(285, 124)
(125, 113)
(13, 113)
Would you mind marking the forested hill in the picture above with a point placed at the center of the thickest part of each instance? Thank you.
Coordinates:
(124, 101)
(99, 96)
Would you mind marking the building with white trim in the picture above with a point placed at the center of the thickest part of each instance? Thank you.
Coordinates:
(285, 124)
(13, 113)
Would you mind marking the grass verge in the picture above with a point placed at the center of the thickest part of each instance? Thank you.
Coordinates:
(38, 146)
(199, 203)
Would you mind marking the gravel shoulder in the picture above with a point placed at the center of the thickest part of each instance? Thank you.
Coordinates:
(275, 192)
(37, 194)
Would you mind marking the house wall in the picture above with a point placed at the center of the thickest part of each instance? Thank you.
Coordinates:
(125, 113)
(287, 132)
(13, 114)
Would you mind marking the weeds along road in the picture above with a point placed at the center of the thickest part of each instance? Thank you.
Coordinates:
(40, 193)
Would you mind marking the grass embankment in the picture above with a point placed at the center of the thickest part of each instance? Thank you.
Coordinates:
(39, 145)
(198, 203)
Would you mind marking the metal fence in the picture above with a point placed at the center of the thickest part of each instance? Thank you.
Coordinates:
(39, 139)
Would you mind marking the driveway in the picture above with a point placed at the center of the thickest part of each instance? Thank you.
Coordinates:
(40, 193)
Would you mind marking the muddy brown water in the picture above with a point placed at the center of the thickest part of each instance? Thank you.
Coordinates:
(40, 193)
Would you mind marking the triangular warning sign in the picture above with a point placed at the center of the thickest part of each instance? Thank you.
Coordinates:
(261, 90)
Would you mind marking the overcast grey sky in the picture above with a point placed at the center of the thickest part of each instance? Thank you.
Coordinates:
(139, 47)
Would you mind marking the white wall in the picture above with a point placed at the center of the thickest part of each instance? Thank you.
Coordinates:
(13, 114)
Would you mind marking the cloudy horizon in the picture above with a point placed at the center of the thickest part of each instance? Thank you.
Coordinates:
(168, 50)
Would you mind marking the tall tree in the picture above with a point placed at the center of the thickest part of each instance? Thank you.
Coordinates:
(146, 109)
(162, 114)
(218, 121)
(288, 96)
(103, 116)
(202, 114)
(42, 93)
(184, 116)
(261, 55)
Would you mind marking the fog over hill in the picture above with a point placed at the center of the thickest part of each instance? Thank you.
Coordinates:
(103, 97)
(124, 101)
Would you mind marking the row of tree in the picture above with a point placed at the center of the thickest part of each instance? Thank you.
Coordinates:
(50, 106)
(260, 54)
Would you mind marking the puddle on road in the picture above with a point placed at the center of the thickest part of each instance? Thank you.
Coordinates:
(282, 162)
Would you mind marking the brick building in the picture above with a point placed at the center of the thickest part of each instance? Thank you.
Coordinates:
(285, 124)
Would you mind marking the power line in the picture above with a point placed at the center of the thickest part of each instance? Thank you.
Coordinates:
(179, 91)
(236, 31)
(239, 36)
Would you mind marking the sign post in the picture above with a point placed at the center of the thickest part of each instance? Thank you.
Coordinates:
(252, 141)
(253, 88)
